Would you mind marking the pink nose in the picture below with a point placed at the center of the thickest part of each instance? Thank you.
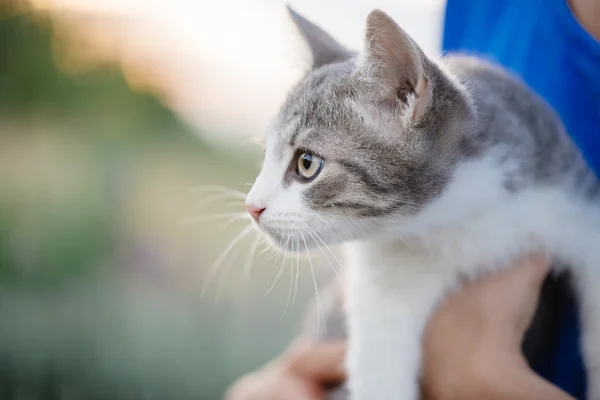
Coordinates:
(255, 211)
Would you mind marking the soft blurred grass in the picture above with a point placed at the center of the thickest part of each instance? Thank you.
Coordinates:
(99, 281)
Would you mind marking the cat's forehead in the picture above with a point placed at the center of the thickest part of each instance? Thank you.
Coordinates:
(317, 105)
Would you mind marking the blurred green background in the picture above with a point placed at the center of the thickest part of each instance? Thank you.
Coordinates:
(100, 282)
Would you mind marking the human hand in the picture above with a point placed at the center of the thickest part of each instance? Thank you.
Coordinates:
(472, 344)
(302, 373)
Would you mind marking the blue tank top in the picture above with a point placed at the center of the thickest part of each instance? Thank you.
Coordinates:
(542, 42)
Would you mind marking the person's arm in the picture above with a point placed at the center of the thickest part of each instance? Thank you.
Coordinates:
(587, 13)
(303, 372)
(519, 384)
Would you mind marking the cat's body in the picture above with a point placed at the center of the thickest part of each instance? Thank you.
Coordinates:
(419, 274)
(475, 226)
(435, 170)
(539, 342)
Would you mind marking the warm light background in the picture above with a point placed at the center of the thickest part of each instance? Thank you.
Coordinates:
(227, 63)
(111, 112)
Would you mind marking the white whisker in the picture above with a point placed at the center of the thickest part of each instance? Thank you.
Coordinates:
(214, 197)
(312, 270)
(324, 255)
(248, 265)
(405, 242)
(281, 266)
(218, 189)
(287, 303)
(267, 248)
(232, 220)
(226, 268)
(194, 220)
(224, 255)
(297, 269)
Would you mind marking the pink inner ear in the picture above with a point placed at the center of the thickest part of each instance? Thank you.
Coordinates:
(395, 57)
(422, 98)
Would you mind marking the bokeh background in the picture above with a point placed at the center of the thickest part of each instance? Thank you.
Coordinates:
(117, 120)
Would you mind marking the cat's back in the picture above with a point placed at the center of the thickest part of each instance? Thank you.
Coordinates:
(492, 85)
(518, 124)
(500, 97)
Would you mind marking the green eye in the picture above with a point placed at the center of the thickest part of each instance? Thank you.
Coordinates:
(309, 165)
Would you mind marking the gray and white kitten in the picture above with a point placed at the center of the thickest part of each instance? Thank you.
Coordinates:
(430, 171)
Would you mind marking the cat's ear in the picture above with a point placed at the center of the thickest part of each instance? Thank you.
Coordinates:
(394, 64)
(324, 48)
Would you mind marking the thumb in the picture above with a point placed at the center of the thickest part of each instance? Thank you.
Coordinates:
(534, 269)
(319, 361)
(522, 284)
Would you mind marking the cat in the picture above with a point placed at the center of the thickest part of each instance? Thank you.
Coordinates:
(430, 171)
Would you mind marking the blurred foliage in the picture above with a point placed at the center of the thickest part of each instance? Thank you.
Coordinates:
(73, 151)
(104, 113)
(31, 83)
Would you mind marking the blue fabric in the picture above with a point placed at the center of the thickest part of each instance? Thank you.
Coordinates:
(542, 42)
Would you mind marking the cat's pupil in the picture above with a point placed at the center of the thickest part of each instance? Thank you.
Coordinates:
(306, 162)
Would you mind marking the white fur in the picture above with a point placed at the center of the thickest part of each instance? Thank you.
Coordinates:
(394, 285)
(402, 271)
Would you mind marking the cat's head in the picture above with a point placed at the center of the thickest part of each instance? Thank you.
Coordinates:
(362, 143)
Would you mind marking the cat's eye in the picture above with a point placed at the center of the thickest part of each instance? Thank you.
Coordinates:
(309, 166)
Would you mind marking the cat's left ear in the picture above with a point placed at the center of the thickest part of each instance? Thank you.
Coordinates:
(324, 49)
(393, 65)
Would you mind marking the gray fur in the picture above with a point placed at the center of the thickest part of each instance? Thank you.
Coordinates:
(473, 108)
(324, 48)
(369, 175)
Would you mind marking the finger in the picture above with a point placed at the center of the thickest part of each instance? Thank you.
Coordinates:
(523, 275)
(528, 274)
(319, 361)
(536, 268)
(523, 283)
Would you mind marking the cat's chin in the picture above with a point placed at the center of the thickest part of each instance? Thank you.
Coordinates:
(289, 244)
(292, 243)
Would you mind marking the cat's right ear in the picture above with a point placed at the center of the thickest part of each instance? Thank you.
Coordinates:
(324, 48)
(392, 65)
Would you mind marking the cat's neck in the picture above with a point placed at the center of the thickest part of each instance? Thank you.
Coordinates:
(476, 186)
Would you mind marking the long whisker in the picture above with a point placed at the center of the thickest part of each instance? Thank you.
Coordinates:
(325, 255)
(227, 268)
(214, 197)
(312, 270)
(232, 220)
(287, 303)
(235, 204)
(405, 242)
(281, 266)
(325, 244)
(272, 254)
(218, 189)
(193, 220)
(224, 255)
(248, 265)
(297, 269)
(267, 248)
